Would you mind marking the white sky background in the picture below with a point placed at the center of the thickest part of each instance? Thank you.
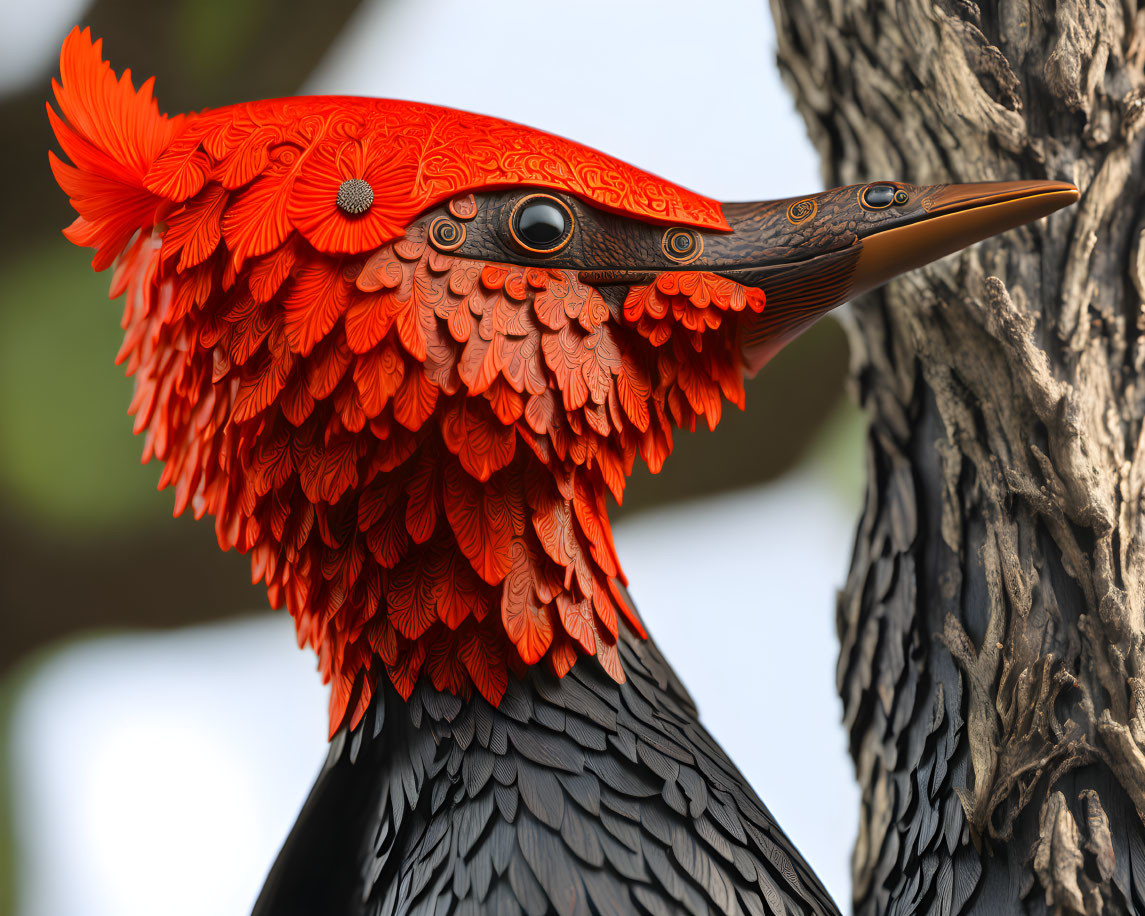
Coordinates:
(685, 89)
(30, 36)
(178, 761)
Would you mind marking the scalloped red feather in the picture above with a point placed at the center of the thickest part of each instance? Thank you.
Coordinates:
(414, 448)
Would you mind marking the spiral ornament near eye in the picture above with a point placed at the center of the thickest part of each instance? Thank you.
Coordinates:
(541, 224)
(446, 234)
(901, 197)
(801, 210)
(682, 245)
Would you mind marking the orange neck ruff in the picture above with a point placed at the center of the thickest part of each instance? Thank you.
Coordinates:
(414, 448)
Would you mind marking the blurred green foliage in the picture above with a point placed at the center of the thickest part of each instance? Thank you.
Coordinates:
(837, 451)
(79, 515)
(77, 509)
(67, 456)
(214, 35)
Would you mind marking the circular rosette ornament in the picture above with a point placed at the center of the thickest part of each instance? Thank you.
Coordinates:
(346, 201)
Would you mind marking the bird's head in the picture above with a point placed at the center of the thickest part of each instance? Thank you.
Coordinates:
(401, 353)
(806, 255)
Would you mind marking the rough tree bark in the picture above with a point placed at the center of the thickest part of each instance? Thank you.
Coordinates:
(992, 627)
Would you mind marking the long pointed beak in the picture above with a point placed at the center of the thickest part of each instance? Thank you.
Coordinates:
(821, 251)
(955, 216)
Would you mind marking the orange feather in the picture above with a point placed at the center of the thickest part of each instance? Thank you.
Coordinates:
(413, 447)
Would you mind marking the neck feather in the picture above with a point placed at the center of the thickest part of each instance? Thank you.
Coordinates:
(416, 449)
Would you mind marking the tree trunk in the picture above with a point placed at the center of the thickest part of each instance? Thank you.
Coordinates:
(992, 627)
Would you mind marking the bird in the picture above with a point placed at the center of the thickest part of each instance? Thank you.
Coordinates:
(404, 355)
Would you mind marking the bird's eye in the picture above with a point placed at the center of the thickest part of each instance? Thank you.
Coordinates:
(541, 224)
(878, 196)
(682, 245)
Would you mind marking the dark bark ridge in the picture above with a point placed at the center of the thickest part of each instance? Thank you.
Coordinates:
(992, 626)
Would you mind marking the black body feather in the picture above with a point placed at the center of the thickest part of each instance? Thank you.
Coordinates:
(574, 796)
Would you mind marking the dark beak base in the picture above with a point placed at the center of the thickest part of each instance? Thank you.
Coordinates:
(958, 216)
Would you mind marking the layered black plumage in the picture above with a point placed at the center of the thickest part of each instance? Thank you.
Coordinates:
(574, 796)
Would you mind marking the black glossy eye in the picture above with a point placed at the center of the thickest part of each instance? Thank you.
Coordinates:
(682, 245)
(541, 224)
(879, 196)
